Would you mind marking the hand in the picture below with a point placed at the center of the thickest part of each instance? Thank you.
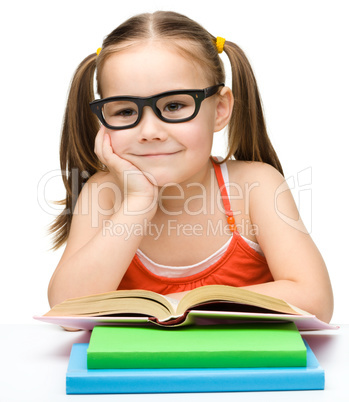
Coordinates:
(138, 189)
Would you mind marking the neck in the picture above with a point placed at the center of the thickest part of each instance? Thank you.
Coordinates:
(189, 196)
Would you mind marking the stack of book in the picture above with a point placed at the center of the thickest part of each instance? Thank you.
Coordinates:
(211, 358)
(252, 343)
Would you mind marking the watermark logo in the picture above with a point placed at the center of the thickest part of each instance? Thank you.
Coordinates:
(300, 187)
(202, 201)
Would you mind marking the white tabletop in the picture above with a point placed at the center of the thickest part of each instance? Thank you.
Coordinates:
(34, 360)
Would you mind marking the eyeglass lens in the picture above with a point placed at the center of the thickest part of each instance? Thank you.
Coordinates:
(125, 112)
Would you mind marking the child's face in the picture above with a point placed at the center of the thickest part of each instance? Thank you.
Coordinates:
(170, 152)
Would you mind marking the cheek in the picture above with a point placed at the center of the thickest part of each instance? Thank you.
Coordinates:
(198, 136)
(118, 142)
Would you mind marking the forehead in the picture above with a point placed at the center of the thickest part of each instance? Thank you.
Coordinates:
(149, 68)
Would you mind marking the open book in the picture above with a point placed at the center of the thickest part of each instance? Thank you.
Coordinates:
(213, 302)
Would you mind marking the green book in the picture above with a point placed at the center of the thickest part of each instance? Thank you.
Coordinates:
(212, 346)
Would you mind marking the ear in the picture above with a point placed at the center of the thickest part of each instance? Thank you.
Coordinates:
(224, 108)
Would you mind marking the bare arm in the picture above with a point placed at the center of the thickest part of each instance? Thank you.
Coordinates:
(102, 239)
(100, 246)
(299, 271)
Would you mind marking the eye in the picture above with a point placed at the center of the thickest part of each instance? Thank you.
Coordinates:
(120, 109)
(177, 106)
(125, 113)
(120, 113)
(173, 107)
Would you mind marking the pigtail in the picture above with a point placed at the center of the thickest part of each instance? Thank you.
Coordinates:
(77, 158)
(248, 138)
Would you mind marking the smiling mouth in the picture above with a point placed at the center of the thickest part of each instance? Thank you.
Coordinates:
(158, 154)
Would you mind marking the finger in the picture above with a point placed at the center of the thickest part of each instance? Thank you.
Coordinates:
(99, 145)
(106, 148)
(112, 159)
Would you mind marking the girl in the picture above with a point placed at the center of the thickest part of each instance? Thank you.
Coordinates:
(147, 207)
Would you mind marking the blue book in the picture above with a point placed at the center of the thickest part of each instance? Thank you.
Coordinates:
(80, 380)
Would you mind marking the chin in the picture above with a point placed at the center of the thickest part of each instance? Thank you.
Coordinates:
(162, 179)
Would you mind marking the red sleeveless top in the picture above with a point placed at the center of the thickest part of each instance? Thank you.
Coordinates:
(239, 266)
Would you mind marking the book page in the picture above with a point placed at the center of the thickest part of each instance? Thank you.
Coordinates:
(174, 302)
(116, 302)
(220, 293)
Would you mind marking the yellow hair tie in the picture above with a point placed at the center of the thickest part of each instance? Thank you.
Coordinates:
(220, 44)
(99, 50)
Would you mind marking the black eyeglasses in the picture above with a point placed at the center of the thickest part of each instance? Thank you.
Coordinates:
(121, 112)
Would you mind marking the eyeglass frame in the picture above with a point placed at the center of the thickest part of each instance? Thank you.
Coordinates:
(199, 95)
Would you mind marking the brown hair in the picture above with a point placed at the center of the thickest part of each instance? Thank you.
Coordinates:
(247, 135)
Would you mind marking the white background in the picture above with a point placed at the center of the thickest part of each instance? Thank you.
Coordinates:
(299, 52)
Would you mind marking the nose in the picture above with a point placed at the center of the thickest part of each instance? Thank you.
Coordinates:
(151, 128)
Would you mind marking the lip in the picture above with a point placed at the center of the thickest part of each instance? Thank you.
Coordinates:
(158, 154)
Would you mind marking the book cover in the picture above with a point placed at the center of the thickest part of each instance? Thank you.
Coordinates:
(80, 380)
(216, 346)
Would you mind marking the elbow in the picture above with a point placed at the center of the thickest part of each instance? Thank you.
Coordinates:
(325, 316)
(59, 287)
(326, 313)
(50, 294)
(53, 295)
(323, 306)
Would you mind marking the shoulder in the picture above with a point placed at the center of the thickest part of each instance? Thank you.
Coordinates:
(269, 198)
(100, 191)
(100, 178)
(255, 179)
(265, 190)
(258, 172)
